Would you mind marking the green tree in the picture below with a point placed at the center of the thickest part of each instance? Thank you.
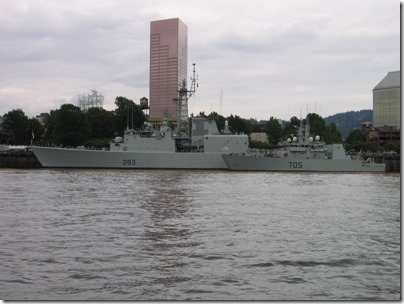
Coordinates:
(274, 131)
(238, 124)
(50, 123)
(393, 145)
(71, 126)
(101, 123)
(372, 147)
(355, 141)
(127, 115)
(291, 127)
(317, 124)
(220, 120)
(331, 134)
(35, 129)
(355, 135)
(249, 126)
(16, 125)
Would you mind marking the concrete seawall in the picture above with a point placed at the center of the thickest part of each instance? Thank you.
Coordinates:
(393, 163)
(19, 159)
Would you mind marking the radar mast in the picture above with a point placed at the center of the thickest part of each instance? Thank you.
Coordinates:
(182, 103)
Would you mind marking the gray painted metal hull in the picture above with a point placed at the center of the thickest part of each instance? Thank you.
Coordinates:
(252, 163)
(80, 158)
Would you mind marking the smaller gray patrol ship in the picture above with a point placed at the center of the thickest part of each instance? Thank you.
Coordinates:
(302, 154)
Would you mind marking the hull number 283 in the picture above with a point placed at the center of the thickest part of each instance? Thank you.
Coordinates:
(128, 162)
(296, 165)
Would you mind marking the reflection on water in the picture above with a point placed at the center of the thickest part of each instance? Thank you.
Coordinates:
(167, 199)
(165, 230)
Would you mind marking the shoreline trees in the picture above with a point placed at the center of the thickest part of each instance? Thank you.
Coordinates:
(70, 126)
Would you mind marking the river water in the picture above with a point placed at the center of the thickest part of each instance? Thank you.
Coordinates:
(198, 235)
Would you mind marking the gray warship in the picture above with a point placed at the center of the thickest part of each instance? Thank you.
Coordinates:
(195, 143)
(302, 153)
(153, 148)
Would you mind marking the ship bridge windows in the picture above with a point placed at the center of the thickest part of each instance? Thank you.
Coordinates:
(146, 134)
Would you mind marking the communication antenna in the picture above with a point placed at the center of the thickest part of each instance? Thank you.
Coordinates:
(92, 100)
(182, 103)
(194, 83)
(221, 102)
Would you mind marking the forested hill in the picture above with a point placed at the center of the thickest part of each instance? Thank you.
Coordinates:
(349, 121)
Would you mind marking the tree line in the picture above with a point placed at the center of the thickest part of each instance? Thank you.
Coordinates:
(71, 126)
(94, 127)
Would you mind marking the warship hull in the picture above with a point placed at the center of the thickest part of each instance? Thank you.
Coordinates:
(80, 158)
(256, 163)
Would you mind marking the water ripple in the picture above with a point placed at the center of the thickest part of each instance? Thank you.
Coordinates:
(174, 235)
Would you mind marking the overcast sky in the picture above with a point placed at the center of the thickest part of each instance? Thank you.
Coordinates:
(254, 58)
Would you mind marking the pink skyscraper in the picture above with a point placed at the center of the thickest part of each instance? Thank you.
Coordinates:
(168, 65)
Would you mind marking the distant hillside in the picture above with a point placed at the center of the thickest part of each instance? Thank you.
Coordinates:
(349, 121)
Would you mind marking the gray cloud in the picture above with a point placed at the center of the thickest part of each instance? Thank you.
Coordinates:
(270, 58)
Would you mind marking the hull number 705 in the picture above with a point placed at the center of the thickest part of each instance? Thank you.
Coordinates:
(296, 165)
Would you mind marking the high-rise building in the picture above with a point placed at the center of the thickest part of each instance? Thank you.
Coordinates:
(386, 102)
(168, 65)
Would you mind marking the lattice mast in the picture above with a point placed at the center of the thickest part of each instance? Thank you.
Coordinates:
(92, 100)
(182, 103)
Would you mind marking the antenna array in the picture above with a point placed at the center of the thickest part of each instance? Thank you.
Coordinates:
(92, 100)
(182, 103)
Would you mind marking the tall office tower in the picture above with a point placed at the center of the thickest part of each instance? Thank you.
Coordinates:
(168, 65)
(386, 102)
